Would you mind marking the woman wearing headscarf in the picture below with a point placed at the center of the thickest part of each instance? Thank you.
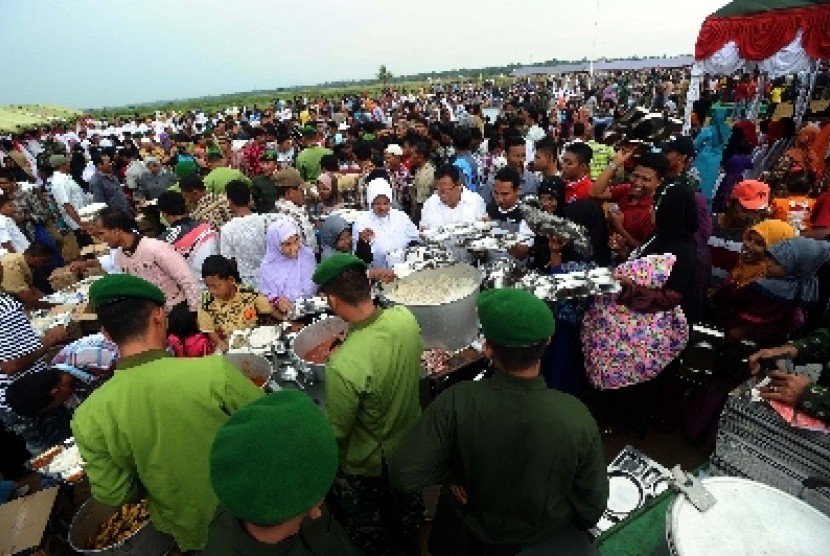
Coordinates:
(799, 163)
(383, 227)
(629, 338)
(709, 145)
(740, 307)
(792, 271)
(563, 366)
(285, 272)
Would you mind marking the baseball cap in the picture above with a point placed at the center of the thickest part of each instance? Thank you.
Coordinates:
(680, 144)
(752, 194)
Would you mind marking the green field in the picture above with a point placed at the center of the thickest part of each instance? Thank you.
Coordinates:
(18, 118)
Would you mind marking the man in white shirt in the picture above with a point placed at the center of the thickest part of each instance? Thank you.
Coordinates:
(452, 203)
(69, 197)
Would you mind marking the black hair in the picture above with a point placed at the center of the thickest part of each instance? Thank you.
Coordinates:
(114, 219)
(192, 183)
(450, 171)
(547, 146)
(328, 163)
(462, 138)
(512, 359)
(30, 394)
(582, 151)
(172, 203)
(656, 161)
(238, 193)
(220, 267)
(39, 249)
(6, 173)
(125, 319)
(513, 141)
(421, 148)
(508, 174)
(578, 129)
(182, 322)
(352, 286)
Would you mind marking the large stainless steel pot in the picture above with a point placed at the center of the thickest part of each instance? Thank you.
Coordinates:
(147, 541)
(312, 336)
(450, 326)
(255, 367)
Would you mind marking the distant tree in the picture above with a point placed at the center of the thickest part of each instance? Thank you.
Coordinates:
(384, 75)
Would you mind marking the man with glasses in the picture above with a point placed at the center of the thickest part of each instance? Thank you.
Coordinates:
(452, 203)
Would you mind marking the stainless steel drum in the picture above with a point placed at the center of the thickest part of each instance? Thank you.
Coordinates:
(449, 326)
(146, 541)
(315, 334)
(255, 367)
(748, 518)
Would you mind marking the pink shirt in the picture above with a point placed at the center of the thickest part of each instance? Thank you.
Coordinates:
(159, 263)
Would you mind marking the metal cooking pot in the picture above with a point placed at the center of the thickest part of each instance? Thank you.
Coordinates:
(312, 336)
(451, 326)
(147, 541)
(255, 367)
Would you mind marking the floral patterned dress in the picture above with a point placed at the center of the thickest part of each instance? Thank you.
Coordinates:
(623, 347)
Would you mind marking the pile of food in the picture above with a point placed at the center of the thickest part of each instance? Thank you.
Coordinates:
(61, 461)
(431, 290)
(121, 525)
(435, 361)
(320, 353)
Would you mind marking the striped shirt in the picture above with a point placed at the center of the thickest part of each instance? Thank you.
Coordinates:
(17, 338)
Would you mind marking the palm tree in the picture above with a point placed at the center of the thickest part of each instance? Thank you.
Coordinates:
(384, 76)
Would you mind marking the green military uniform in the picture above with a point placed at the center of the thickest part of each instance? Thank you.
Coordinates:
(317, 537)
(372, 399)
(147, 433)
(271, 464)
(218, 178)
(529, 458)
(308, 162)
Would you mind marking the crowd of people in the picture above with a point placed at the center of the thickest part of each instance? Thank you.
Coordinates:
(215, 223)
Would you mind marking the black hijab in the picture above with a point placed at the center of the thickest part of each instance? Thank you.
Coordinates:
(588, 213)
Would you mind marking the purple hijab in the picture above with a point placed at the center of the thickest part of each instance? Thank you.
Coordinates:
(280, 276)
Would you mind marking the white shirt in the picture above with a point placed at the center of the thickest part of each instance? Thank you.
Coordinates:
(66, 190)
(11, 233)
(393, 232)
(436, 214)
(243, 239)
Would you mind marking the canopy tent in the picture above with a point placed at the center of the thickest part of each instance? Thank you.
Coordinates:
(778, 37)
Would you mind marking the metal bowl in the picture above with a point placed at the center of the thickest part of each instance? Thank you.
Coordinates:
(146, 541)
(312, 336)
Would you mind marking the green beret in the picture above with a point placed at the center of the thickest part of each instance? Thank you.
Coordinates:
(333, 266)
(274, 459)
(186, 168)
(514, 318)
(115, 287)
(268, 155)
(309, 130)
(57, 160)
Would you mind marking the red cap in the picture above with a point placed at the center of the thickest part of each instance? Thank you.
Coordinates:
(752, 194)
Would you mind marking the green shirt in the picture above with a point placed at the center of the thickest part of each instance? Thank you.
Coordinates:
(220, 177)
(308, 162)
(317, 537)
(530, 458)
(147, 432)
(372, 395)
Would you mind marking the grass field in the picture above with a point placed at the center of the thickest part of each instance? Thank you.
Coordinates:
(20, 117)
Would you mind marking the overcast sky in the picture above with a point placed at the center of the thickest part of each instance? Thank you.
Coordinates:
(94, 53)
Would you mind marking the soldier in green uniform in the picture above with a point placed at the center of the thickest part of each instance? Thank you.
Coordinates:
(271, 464)
(522, 465)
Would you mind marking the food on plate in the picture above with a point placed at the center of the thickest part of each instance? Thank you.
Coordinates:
(46, 457)
(122, 524)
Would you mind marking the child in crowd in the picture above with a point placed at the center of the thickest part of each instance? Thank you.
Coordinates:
(183, 333)
(227, 306)
(12, 240)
